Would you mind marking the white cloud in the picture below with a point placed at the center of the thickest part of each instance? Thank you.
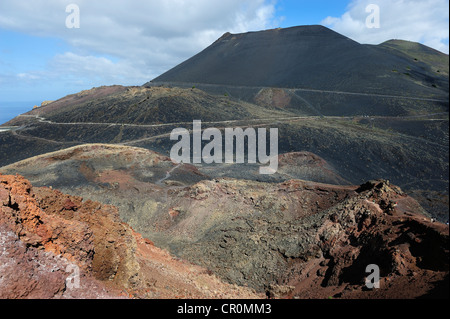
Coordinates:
(132, 41)
(424, 21)
(88, 67)
(28, 76)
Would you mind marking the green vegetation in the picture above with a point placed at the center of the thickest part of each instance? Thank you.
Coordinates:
(420, 53)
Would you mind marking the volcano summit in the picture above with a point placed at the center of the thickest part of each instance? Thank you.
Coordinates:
(309, 57)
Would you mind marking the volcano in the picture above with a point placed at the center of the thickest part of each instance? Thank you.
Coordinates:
(313, 57)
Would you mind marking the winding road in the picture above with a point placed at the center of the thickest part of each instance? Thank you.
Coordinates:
(222, 124)
(293, 90)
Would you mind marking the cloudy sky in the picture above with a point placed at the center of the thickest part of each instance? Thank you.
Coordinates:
(130, 42)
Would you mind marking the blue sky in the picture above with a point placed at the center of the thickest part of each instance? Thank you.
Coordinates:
(131, 42)
(303, 12)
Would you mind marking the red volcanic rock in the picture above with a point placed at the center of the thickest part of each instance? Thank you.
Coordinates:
(21, 276)
(21, 213)
(69, 205)
(270, 97)
(45, 234)
(382, 226)
(309, 166)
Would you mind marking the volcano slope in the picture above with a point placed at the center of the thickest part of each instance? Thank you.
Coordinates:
(410, 151)
(310, 57)
(312, 70)
(291, 239)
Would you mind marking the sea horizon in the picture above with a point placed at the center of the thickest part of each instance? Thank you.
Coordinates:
(9, 110)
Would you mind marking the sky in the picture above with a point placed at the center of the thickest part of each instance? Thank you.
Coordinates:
(48, 49)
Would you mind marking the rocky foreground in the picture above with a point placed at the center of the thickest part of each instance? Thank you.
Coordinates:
(46, 234)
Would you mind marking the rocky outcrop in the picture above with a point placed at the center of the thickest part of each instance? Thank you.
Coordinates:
(113, 243)
(294, 239)
(40, 250)
(21, 213)
(379, 226)
(303, 239)
(310, 167)
(307, 240)
(46, 234)
(272, 97)
(44, 103)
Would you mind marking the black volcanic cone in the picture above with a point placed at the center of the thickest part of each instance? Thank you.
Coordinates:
(310, 57)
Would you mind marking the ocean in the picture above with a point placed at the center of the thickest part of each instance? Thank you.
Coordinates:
(9, 110)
